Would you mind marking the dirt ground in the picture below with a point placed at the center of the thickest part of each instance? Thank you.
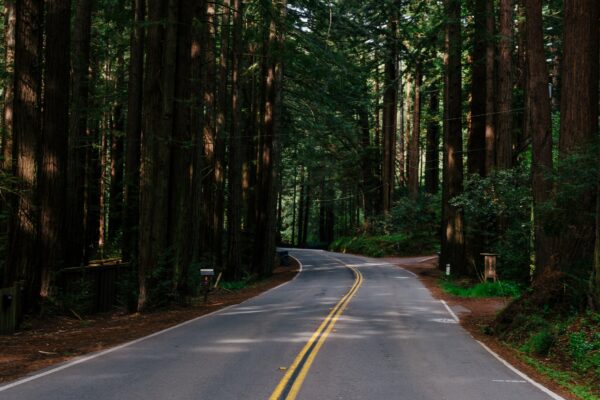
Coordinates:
(477, 314)
(48, 341)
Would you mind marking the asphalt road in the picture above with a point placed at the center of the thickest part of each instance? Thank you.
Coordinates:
(347, 328)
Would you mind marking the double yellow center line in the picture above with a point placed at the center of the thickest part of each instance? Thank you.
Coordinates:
(291, 383)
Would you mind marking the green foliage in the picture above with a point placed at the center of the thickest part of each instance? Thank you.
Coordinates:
(235, 285)
(563, 347)
(380, 246)
(503, 200)
(541, 343)
(482, 290)
(409, 229)
(564, 378)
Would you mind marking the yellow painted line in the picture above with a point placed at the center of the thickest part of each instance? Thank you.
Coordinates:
(291, 383)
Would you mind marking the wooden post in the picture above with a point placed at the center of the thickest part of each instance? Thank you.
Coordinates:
(9, 304)
(490, 266)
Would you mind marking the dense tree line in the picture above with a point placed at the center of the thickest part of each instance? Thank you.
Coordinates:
(140, 130)
(179, 134)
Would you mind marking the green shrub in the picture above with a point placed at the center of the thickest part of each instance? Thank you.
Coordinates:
(541, 343)
(485, 289)
(379, 246)
(503, 199)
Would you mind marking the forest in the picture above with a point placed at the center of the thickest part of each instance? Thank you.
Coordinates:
(176, 135)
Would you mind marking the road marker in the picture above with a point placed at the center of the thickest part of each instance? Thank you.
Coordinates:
(507, 364)
(291, 383)
(450, 311)
(521, 374)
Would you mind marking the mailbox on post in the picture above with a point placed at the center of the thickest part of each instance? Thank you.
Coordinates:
(490, 266)
(206, 276)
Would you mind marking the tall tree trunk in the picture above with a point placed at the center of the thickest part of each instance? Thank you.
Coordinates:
(264, 256)
(490, 92)
(579, 129)
(453, 251)
(7, 113)
(368, 182)
(78, 134)
(301, 208)
(294, 197)
(390, 107)
(504, 151)
(22, 262)
(198, 76)
(208, 134)
(234, 259)
(413, 167)
(432, 173)
(220, 136)
(540, 130)
(180, 216)
(117, 142)
(55, 141)
(6, 119)
(134, 132)
(159, 95)
(104, 159)
(476, 143)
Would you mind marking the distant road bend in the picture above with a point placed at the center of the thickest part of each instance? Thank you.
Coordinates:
(348, 327)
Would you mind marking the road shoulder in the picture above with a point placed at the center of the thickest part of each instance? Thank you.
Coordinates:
(48, 341)
(474, 316)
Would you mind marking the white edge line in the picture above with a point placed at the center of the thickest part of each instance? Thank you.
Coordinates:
(450, 311)
(507, 364)
(77, 361)
(405, 270)
(521, 374)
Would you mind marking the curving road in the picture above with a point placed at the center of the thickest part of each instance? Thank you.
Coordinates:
(347, 328)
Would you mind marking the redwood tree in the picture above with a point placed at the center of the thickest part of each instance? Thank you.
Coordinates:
(453, 251)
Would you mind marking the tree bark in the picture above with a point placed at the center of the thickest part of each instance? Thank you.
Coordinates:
(134, 132)
(234, 259)
(198, 76)
(55, 140)
(540, 130)
(413, 167)
(432, 174)
(264, 256)
(490, 90)
(453, 250)
(476, 143)
(78, 134)
(117, 142)
(504, 151)
(7, 113)
(22, 263)
(180, 216)
(220, 135)
(578, 129)
(6, 119)
(390, 107)
(159, 94)
(208, 129)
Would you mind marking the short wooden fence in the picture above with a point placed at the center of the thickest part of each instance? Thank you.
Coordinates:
(101, 280)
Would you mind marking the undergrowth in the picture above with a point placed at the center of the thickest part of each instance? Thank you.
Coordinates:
(385, 245)
(481, 290)
(563, 346)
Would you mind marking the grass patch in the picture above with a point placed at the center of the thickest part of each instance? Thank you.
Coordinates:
(482, 290)
(385, 245)
(234, 285)
(563, 378)
(563, 346)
